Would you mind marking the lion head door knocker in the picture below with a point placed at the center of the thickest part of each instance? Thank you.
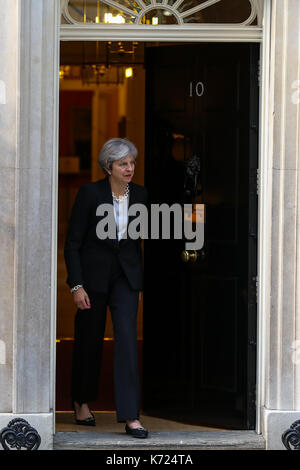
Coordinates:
(17, 434)
(191, 180)
(192, 173)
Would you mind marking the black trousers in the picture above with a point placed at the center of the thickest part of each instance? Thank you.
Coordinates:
(88, 344)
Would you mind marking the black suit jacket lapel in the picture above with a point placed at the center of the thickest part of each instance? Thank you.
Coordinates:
(105, 197)
(132, 200)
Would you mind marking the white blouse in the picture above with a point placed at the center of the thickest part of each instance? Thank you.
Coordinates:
(121, 216)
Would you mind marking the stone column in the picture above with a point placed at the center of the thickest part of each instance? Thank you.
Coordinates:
(29, 70)
(282, 352)
(8, 162)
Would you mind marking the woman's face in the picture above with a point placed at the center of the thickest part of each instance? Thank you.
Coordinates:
(123, 170)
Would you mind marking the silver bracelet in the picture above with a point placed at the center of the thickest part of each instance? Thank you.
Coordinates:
(75, 288)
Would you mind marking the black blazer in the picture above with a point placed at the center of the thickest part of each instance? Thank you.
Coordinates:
(88, 258)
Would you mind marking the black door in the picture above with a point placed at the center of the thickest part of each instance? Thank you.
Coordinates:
(199, 351)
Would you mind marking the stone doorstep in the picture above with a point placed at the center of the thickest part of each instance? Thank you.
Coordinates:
(202, 440)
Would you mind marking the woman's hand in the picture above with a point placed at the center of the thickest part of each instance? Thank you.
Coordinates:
(81, 299)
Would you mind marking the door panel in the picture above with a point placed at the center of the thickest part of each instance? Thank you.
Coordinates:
(198, 357)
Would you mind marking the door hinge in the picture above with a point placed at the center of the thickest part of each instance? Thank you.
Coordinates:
(258, 73)
(256, 288)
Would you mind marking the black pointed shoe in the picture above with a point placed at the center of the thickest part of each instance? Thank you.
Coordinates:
(90, 421)
(142, 433)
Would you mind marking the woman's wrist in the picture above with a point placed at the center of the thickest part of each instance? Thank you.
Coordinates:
(73, 289)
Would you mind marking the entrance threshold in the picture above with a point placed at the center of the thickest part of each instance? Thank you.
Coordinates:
(186, 440)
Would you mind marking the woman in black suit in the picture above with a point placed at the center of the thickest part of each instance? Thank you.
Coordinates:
(106, 272)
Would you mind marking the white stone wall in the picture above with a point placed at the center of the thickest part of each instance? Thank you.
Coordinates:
(282, 352)
(28, 147)
(34, 208)
(8, 154)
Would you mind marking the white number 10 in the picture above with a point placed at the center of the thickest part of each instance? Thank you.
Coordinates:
(199, 88)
